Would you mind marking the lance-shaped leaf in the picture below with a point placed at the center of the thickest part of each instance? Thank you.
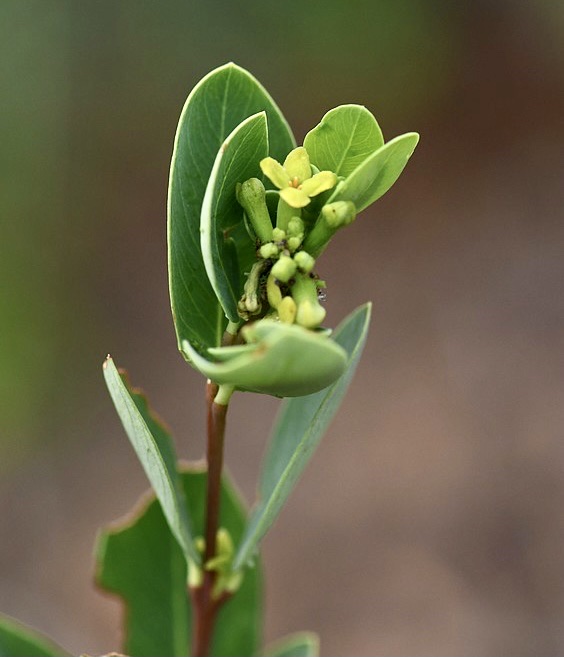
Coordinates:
(300, 426)
(284, 360)
(300, 644)
(214, 108)
(139, 560)
(374, 177)
(18, 640)
(237, 160)
(154, 448)
(344, 138)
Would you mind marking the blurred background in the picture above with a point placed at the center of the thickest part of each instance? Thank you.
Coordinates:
(430, 521)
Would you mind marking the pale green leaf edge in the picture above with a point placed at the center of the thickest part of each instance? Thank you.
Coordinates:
(267, 511)
(370, 193)
(213, 260)
(165, 480)
(14, 628)
(299, 644)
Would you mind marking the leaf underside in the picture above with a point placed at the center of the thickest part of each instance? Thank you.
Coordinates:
(155, 449)
(298, 430)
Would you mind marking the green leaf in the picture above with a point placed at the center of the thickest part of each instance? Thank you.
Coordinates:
(299, 428)
(284, 360)
(344, 138)
(215, 107)
(237, 160)
(140, 561)
(374, 177)
(300, 644)
(18, 640)
(154, 448)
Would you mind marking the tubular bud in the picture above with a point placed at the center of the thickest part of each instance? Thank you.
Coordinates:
(310, 312)
(332, 217)
(252, 197)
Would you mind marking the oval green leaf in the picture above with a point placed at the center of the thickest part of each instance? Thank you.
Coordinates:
(214, 108)
(374, 177)
(298, 430)
(284, 360)
(19, 640)
(155, 450)
(344, 138)
(237, 160)
(139, 560)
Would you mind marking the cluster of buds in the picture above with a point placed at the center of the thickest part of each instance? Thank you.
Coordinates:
(282, 283)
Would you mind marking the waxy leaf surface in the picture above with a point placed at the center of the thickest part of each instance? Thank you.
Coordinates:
(214, 108)
(344, 138)
(374, 177)
(139, 560)
(300, 426)
(237, 160)
(154, 448)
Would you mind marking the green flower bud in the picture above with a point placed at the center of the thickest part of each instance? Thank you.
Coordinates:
(278, 235)
(294, 243)
(332, 217)
(252, 197)
(268, 250)
(305, 262)
(273, 293)
(287, 310)
(310, 312)
(295, 227)
(284, 268)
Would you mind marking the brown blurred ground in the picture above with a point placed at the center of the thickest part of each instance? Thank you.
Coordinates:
(430, 521)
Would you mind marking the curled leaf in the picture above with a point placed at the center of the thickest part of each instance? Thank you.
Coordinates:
(284, 360)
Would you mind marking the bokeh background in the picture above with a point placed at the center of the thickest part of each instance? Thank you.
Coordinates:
(431, 520)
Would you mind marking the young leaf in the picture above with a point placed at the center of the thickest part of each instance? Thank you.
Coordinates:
(140, 561)
(237, 160)
(18, 640)
(218, 103)
(300, 644)
(297, 432)
(344, 138)
(374, 177)
(154, 448)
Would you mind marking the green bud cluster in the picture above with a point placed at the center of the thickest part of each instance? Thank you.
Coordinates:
(282, 282)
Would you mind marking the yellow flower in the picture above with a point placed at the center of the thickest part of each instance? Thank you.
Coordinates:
(294, 179)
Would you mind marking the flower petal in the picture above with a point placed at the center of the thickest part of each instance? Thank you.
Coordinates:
(275, 172)
(321, 182)
(297, 164)
(295, 198)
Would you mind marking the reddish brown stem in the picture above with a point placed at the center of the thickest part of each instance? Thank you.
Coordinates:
(205, 607)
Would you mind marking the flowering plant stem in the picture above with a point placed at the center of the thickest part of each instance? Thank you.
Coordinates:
(205, 605)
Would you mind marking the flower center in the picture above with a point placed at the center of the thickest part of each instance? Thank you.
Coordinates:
(295, 182)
